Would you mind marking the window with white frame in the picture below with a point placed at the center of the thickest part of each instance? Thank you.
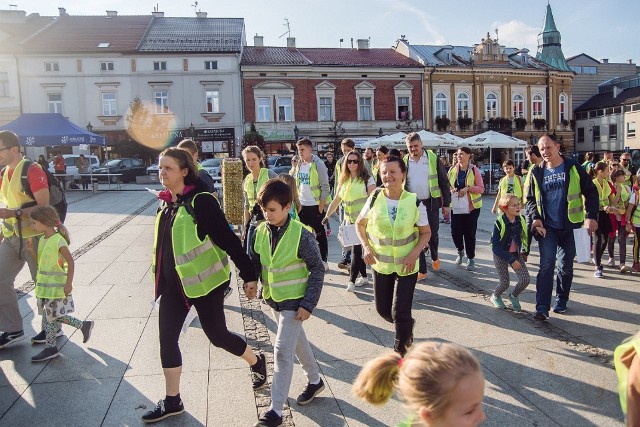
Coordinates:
(4, 84)
(631, 129)
(491, 106)
(161, 98)
(325, 110)
(580, 135)
(106, 66)
(462, 105)
(562, 105)
(365, 108)
(109, 105)
(212, 101)
(210, 65)
(159, 65)
(404, 112)
(263, 105)
(51, 66)
(442, 105)
(596, 133)
(55, 102)
(613, 131)
(284, 106)
(517, 106)
(536, 106)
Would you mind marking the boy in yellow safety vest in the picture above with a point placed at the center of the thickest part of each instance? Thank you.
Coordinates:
(509, 184)
(292, 274)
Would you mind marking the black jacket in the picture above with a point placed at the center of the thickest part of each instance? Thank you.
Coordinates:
(589, 191)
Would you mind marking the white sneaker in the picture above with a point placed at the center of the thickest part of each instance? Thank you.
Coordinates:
(611, 262)
(624, 269)
(351, 287)
(361, 281)
(326, 265)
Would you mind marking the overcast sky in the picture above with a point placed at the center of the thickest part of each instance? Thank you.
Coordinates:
(599, 28)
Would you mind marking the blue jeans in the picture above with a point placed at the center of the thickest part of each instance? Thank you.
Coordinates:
(557, 245)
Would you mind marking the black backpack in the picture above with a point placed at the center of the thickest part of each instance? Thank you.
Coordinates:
(57, 197)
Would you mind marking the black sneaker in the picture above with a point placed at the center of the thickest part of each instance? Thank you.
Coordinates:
(46, 354)
(269, 419)
(41, 338)
(86, 328)
(8, 338)
(161, 412)
(228, 292)
(344, 265)
(310, 392)
(259, 373)
(540, 315)
(559, 308)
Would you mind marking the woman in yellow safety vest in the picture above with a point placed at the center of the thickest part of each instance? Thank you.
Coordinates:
(622, 194)
(192, 246)
(599, 174)
(393, 228)
(466, 200)
(354, 186)
(633, 224)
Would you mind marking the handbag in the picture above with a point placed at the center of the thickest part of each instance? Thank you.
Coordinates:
(459, 205)
(347, 235)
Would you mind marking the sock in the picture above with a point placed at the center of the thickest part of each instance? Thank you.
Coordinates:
(173, 400)
(276, 411)
(315, 383)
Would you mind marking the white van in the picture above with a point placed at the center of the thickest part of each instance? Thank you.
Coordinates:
(70, 162)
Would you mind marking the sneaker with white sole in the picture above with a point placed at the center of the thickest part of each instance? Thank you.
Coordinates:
(611, 262)
(598, 272)
(162, 411)
(361, 281)
(497, 301)
(8, 338)
(471, 265)
(46, 354)
(87, 327)
(351, 287)
(259, 372)
(624, 269)
(41, 337)
(326, 265)
(459, 257)
(310, 392)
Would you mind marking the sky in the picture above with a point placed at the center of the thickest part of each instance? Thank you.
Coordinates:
(600, 28)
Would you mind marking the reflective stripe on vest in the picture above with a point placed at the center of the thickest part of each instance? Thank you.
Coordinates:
(575, 206)
(476, 199)
(52, 273)
(314, 182)
(249, 188)
(517, 186)
(434, 187)
(201, 265)
(284, 275)
(604, 191)
(622, 370)
(392, 242)
(12, 195)
(624, 197)
(354, 195)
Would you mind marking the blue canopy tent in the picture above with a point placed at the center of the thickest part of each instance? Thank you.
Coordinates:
(50, 130)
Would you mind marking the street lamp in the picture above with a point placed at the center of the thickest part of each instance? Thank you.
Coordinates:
(296, 132)
(90, 127)
(380, 133)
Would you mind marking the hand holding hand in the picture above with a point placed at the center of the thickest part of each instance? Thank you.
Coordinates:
(250, 289)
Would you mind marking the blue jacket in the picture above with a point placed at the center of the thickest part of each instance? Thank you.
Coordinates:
(516, 231)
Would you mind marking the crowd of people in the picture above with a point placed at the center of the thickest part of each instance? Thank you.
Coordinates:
(392, 201)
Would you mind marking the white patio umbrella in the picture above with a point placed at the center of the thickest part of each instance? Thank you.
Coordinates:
(433, 140)
(492, 139)
(395, 140)
(451, 137)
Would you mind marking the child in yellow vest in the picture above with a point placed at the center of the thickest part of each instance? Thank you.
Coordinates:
(54, 280)
(509, 184)
(292, 274)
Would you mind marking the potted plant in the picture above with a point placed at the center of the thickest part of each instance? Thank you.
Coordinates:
(505, 123)
(493, 123)
(539, 124)
(464, 123)
(572, 122)
(520, 123)
(442, 122)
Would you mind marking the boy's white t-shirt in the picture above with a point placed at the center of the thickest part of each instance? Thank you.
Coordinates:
(392, 208)
(304, 185)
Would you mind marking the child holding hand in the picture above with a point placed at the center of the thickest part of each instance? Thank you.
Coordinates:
(54, 280)
(508, 242)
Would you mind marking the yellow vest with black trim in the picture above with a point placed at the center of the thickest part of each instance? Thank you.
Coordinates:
(517, 186)
(52, 268)
(354, 195)
(284, 275)
(434, 187)
(201, 265)
(314, 181)
(575, 207)
(392, 241)
(604, 191)
(524, 235)
(252, 191)
(622, 370)
(476, 199)
(13, 196)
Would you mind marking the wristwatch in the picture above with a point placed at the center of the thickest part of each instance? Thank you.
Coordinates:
(18, 213)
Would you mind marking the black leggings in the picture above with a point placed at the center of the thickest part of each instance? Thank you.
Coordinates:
(393, 301)
(210, 308)
(463, 231)
(357, 264)
(311, 216)
(601, 237)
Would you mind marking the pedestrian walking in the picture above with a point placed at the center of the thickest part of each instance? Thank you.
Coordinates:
(192, 246)
(441, 384)
(294, 212)
(354, 186)
(292, 283)
(313, 189)
(510, 183)
(508, 241)
(43, 162)
(427, 178)
(466, 189)
(347, 145)
(60, 169)
(554, 208)
(393, 228)
(16, 228)
(599, 175)
(83, 169)
(633, 224)
(381, 153)
(617, 216)
(190, 146)
(54, 281)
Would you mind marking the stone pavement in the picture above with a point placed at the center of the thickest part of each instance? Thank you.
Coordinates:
(540, 374)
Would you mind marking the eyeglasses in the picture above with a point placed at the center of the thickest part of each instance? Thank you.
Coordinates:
(352, 162)
(625, 160)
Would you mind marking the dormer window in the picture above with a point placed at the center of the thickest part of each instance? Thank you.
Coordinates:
(104, 45)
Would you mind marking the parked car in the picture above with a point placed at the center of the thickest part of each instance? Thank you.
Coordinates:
(279, 164)
(153, 169)
(70, 161)
(213, 167)
(128, 168)
(496, 172)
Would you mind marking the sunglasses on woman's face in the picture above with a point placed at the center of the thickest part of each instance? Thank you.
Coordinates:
(352, 162)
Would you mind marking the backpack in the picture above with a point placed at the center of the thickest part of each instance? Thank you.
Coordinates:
(57, 198)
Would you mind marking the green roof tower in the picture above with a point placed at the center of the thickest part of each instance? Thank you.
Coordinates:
(549, 46)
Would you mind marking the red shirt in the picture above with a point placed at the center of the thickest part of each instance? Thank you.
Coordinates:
(36, 177)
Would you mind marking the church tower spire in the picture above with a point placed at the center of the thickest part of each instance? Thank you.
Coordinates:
(549, 46)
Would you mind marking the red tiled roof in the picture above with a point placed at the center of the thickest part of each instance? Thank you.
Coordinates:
(80, 34)
(19, 31)
(252, 55)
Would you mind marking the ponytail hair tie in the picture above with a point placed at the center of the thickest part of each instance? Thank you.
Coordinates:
(400, 362)
(59, 224)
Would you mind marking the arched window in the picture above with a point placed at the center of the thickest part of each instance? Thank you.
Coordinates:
(442, 105)
(491, 105)
(562, 101)
(536, 107)
(518, 106)
(463, 105)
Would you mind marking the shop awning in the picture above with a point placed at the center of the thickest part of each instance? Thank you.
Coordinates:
(50, 130)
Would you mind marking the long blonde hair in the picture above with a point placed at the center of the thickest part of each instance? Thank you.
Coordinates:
(361, 173)
(48, 216)
(291, 181)
(425, 377)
